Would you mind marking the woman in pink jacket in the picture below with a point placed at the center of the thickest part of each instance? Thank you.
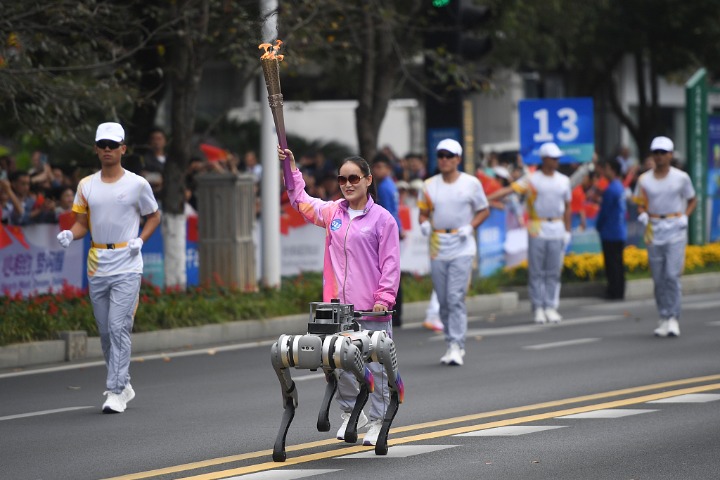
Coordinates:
(361, 267)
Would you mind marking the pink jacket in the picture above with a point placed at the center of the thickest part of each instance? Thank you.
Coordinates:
(362, 255)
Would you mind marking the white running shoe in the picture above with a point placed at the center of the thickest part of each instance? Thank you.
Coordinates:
(128, 394)
(540, 316)
(552, 315)
(445, 358)
(673, 327)
(434, 324)
(662, 329)
(362, 421)
(456, 355)
(114, 403)
(373, 431)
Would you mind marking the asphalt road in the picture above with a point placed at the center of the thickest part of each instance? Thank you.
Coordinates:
(517, 409)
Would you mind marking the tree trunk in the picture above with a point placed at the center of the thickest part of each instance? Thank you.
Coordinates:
(380, 67)
(184, 76)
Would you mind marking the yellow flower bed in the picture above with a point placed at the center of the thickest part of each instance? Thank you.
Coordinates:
(587, 266)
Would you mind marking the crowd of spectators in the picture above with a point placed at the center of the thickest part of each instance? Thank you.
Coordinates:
(45, 191)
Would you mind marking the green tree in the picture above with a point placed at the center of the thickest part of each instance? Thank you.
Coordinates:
(367, 49)
(585, 42)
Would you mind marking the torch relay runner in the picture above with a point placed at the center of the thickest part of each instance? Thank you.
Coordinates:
(109, 205)
(361, 267)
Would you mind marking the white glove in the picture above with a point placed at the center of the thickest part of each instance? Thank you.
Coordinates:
(426, 228)
(466, 231)
(135, 245)
(644, 218)
(567, 237)
(683, 221)
(65, 238)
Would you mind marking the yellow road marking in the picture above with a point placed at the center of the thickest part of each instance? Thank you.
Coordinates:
(419, 426)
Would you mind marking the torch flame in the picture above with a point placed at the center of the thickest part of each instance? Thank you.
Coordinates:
(271, 50)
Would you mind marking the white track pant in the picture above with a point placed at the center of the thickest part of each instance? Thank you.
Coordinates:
(114, 300)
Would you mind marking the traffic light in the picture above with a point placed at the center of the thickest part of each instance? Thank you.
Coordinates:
(451, 43)
(453, 27)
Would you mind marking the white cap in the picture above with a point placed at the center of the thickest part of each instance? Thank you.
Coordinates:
(402, 184)
(110, 131)
(417, 184)
(662, 143)
(450, 145)
(550, 150)
(502, 172)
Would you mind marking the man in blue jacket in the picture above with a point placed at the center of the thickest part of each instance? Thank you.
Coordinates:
(389, 198)
(611, 227)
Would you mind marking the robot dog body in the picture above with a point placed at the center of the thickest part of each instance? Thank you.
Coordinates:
(335, 340)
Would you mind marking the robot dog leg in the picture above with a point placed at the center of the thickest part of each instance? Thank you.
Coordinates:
(382, 350)
(281, 358)
(340, 351)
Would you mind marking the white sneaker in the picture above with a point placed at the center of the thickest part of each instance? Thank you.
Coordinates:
(128, 394)
(446, 357)
(673, 327)
(362, 421)
(456, 355)
(552, 315)
(540, 316)
(373, 431)
(114, 403)
(662, 329)
(434, 324)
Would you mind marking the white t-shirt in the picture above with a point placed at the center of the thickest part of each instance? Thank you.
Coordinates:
(547, 196)
(665, 196)
(452, 205)
(114, 211)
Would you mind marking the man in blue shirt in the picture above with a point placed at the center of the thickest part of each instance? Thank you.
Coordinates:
(612, 228)
(389, 198)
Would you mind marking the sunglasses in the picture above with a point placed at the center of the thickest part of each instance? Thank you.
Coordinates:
(353, 179)
(103, 144)
(445, 155)
(659, 152)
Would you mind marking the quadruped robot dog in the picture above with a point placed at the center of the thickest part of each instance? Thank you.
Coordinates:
(334, 340)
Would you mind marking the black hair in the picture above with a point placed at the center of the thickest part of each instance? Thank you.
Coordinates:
(364, 167)
(382, 158)
(614, 165)
(17, 174)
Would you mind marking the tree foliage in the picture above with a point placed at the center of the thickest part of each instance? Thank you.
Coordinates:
(368, 48)
(586, 42)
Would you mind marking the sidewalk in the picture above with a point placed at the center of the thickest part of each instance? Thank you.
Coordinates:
(76, 346)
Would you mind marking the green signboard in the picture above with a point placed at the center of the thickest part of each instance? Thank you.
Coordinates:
(696, 114)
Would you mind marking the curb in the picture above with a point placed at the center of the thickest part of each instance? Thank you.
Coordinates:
(76, 346)
(88, 348)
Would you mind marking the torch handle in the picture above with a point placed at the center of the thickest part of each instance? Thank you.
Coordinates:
(276, 106)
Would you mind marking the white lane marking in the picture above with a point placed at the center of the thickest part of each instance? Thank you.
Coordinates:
(701, 305)
(509, 431)
(311, 376)
(566, 343)
(531, 328)
(401, 451)
(715, 323)
(610, 413)
(43, 412)
(142, 358)
(690, 398)
(283, 474)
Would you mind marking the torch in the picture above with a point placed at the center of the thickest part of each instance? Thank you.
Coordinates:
(271, 70)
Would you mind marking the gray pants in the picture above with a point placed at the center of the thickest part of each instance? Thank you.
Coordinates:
(114, 301)
(667, 263)
(348, 390)
(545, 262)
(450, 281)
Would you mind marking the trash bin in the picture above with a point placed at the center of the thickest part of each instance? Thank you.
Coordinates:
(226, 212)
